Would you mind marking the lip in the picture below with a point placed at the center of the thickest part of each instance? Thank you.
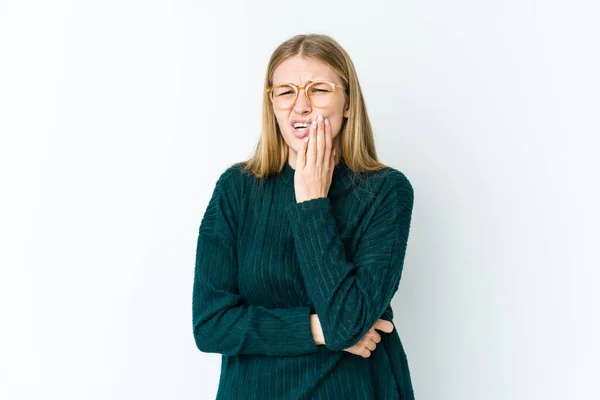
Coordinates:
(301, 135)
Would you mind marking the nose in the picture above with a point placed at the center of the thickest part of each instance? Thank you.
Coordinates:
(302, 105)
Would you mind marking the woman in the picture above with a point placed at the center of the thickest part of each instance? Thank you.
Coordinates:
(301, 247)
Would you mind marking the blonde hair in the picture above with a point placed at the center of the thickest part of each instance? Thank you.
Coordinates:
(357, 143)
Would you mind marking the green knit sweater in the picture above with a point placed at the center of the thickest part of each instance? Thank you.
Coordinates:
(264, 263)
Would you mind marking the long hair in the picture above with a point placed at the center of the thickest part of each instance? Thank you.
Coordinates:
(357, 144)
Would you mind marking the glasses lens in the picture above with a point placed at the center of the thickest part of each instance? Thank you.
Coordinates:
(283, 95)
(320, 93)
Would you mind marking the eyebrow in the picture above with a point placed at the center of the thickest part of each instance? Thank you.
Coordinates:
(306, 83)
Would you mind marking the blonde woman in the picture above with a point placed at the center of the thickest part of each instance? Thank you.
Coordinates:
(301, 247)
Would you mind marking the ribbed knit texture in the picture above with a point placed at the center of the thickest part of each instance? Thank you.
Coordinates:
(264, 263)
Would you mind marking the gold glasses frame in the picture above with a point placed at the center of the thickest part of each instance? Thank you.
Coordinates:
(297, 88)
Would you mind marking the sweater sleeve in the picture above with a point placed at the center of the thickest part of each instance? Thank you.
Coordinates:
(222, 323)
(349, 297)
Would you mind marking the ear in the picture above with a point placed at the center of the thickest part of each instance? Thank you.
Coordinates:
(347, 111)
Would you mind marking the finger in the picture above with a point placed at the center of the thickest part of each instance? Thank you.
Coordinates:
(328, 156)
(384, 325)
(332, 162)
(311, 151)
(301, 157)
(320, 159)
(371, 345)
(376, 337)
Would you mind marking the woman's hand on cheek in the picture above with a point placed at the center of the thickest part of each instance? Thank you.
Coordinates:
(315, 163)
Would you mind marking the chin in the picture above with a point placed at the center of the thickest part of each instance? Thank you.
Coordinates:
(293, 143)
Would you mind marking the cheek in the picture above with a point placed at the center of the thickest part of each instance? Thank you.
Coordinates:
(336, 124)
(337, 119)
(280, 119)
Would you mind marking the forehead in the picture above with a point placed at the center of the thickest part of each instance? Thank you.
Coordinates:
(300, 69)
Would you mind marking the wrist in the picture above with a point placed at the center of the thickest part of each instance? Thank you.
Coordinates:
(302, 199)
(317, 331)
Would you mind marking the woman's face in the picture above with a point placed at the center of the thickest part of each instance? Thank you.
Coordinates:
(300, 70)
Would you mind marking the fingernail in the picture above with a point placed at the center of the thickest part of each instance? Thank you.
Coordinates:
(334, 152)
(327, 121)
(306, 139)
(314, 124)
(320, 117)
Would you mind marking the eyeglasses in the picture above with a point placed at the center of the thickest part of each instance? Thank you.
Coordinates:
(319, 94)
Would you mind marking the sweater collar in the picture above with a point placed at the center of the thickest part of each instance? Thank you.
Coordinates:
(342, 176)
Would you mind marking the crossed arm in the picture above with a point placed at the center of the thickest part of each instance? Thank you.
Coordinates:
(349, 297)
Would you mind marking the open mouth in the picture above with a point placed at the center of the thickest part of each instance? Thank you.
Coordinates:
(300, 127)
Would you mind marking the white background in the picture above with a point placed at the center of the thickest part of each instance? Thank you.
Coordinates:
(117, 117)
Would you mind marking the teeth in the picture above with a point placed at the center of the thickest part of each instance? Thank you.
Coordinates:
(301, 125)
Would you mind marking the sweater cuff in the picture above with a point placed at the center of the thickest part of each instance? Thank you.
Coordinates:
(300, 336)
(314, 211)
